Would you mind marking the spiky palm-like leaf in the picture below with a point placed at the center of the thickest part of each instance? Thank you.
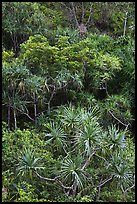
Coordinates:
(88, 138)
(70, 117)
(28, 163)
(119, 168)
(55, 135)
(76, 117)
(117, 138)
(71, 171)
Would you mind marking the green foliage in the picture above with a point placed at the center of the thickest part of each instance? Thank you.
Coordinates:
(17, 141)
(117, 109)
(26, 17)
(7, 56)
(56, 136)
(69, 117)
(71, 172)
(105, 67)
(106, 148)
(37, 52)
(26, 192)
(28, 163)
(68, 102)
(73, 35)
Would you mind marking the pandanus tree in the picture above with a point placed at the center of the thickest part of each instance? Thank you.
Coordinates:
(27, 163)
(121, 171)
(73, 173)
(35, 86)
(55, 136)
(91, 155)
(14, 90)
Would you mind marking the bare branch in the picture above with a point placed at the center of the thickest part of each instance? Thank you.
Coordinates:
(104, 182)
(100, 157)
(125, 24)
(23, 113)
(87, 161)
(65, 187)
(62, 3)
(83, 13)
(124, 193)
(51, 98)
(89, 15)
(98, 195)
(74, 13)
(118, 119)
(54, 179)
(47, 179)
(129, 188)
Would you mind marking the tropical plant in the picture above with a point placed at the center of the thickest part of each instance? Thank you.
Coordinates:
(68, 81)
(89, 138)
(28, 163)
(121, 170)
(117, 137)
(69, 117)
(55, 136)
(73, 174)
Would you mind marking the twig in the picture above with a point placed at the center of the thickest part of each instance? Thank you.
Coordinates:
(124, 193)
(47, 179)
(51, 98)
(105, 181)
(99, 188)
(82, 11)
(54, 179)
(87, 161)
(65, 150)
(100, 157)
(129, 188)
(66, 6)
(74, 13)
(117, 119)
(89, 14)
(23, 113)
(65, 187)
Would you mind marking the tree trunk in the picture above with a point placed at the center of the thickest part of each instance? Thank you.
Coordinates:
(35, 114)
(125, 24)
(8, 117)
(35, 110)
(74, 189)
(15, 119)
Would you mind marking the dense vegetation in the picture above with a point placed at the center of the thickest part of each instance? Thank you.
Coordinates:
(68, 106)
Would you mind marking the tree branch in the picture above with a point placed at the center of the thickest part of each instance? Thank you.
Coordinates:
(125, 24)
(23, 113)
(83, 13)
(47, 179)
(65, 187)
(124, 193)
(118, 119)
(51, 98)
(129, 189)
(54, 180)
(125, 21)
(62, 3)
(74, 13)
(89, 14)
(87, 161)
(100, 157)
(99, 188)
(104, 182)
